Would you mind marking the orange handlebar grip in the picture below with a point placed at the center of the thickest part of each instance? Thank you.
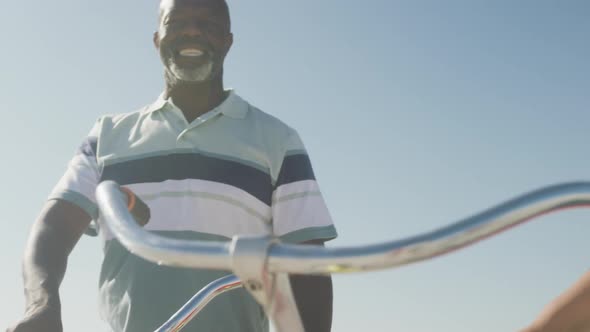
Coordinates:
(130, 198)
(137, 208)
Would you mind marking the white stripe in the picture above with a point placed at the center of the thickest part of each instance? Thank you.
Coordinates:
(201, 206)
(153, 190)
(285, 191)
(199, 215)
(295, 214)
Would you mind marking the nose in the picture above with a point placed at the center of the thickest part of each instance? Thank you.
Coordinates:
(193, 29)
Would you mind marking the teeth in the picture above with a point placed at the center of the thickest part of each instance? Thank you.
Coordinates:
(191, 52)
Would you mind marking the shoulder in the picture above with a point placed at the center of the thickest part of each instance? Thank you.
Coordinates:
(277, 138)
(272, 127)
(118, 119)
(117, 122)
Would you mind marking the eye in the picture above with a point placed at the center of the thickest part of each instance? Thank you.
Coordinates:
(214, 27)
(173, 22)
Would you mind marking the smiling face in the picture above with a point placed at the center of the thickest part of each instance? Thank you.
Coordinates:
(193, 39)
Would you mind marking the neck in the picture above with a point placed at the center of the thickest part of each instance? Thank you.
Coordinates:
(195, 99)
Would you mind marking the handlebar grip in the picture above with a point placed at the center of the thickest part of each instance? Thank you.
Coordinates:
(138, 208)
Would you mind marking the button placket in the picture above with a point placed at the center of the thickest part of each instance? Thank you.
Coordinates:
(197, 122)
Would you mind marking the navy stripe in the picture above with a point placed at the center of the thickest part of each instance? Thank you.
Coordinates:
(88, 147)
(295, 168)
(191, 166)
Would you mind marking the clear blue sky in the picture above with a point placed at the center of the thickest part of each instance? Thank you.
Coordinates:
(415, 113)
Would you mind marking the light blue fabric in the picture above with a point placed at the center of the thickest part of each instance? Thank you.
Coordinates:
(140, 296)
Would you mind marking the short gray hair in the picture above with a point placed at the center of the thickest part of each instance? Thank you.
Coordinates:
(222, 6)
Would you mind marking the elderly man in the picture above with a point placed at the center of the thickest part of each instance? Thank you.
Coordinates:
(209, 165)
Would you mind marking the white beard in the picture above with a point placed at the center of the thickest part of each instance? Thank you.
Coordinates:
(194, 75)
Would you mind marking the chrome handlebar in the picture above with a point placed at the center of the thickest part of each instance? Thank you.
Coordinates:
(274, 259)
(305, 259)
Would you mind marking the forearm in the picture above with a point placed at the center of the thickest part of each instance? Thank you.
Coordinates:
(569, 311)
(314, 296)
(44, 266)
(52, 238)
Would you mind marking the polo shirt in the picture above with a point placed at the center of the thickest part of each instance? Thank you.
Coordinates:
(233, 170)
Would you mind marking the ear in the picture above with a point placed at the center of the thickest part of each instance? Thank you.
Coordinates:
(156, 40)
(229, 41)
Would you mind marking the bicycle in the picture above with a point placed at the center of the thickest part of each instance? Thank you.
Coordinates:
(261, 264)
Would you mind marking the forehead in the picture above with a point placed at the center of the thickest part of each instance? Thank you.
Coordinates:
(211, 7)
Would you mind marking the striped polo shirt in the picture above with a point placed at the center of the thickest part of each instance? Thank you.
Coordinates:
(233, 170)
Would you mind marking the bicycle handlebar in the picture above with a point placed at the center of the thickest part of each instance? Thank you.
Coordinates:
(155, 248)
(305, 259)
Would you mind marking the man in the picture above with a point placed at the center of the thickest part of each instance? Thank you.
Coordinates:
(569, 312)
(209, 165)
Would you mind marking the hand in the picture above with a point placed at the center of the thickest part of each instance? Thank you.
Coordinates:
(531, 329)
(568, 312)
(43, 319)
(553, 328)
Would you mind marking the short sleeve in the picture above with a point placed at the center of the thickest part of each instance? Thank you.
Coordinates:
(81, 178)
(299, 212)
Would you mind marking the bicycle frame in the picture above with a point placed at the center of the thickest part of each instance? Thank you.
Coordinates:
(262, 263)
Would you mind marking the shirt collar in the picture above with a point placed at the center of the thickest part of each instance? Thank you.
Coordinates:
(233, 105)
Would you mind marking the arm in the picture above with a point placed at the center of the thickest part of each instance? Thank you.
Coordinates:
(53, 236)
(313, 295)
(570, 311)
